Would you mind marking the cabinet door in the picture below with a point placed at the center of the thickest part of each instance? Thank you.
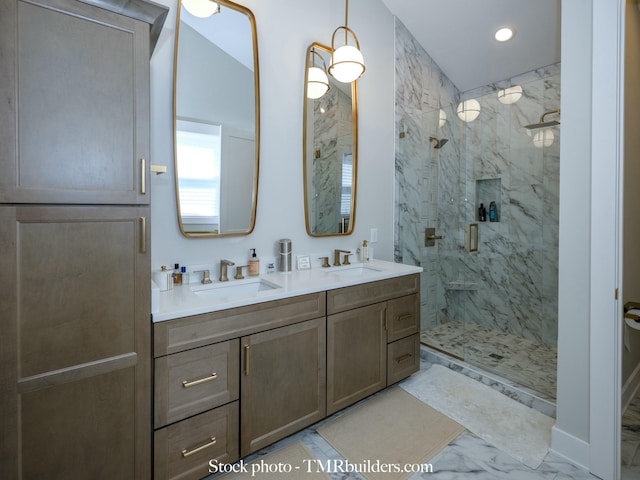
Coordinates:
(356, 355)
(282, 383)
(75, 346)
(74, 104)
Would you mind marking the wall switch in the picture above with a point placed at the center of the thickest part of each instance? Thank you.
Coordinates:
(374, 235)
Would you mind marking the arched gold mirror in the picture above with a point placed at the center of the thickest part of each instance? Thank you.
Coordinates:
(216, 118)
(330, 148)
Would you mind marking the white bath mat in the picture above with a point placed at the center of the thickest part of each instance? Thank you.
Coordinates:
(520, 431)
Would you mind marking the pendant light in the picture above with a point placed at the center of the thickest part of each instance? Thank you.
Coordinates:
(317, 80)
(201, 8)
(468, 110)
(510, 95)
(543, 138)
(442, 118)
(347, 63)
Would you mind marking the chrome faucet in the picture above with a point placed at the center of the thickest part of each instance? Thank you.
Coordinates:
(223, 269)
(336, 256)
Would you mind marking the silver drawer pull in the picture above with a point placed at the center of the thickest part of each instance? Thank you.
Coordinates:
(210, 443)
(187, 383)
(403, 358)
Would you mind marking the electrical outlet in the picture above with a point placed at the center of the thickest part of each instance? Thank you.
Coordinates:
(373, 235)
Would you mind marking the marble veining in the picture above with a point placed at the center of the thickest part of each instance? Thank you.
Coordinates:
(630, 445)
(515, 269)
(466, 457)
(332, 140)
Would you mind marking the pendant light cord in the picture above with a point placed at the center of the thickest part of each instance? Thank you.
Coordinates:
(346, 21)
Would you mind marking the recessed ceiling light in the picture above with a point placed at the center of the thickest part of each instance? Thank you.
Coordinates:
(503, 34)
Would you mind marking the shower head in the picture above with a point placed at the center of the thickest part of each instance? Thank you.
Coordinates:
(439, 142)
(542, 123)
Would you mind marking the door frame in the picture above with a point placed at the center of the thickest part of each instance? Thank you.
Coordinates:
(607, 144)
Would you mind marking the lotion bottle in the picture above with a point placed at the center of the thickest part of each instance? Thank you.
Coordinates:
(365, 252)
(254, 264)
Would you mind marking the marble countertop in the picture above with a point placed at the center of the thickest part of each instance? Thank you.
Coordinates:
(195, 299)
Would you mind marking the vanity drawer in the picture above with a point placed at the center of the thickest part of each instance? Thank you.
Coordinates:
(403, 317)
(191, 382)
(348, 298)
(403, 358)
(183, 450)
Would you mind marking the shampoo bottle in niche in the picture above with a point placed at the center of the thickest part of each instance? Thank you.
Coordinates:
(482, 213)
(493, 212)
(254, 263)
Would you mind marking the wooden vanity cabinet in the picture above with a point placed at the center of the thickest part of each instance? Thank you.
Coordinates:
(372, 338)
(256, 374)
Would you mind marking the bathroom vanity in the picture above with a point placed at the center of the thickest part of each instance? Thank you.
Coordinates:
(236, 373)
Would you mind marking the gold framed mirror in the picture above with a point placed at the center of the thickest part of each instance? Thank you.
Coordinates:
(330, 149)
(216, 105)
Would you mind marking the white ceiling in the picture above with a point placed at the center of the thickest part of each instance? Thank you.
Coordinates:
(458, 35)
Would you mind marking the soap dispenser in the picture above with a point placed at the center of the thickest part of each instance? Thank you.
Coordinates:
(254, 263)
(365, 252)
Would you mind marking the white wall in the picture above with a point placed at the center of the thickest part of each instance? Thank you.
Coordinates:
(285, 29)
(571, 433)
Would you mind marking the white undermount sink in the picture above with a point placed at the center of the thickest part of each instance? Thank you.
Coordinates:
(234, 288)
(355, 271)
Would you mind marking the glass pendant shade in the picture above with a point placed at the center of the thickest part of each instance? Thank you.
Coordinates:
(468, 110)
(510, 95)
(347, 64)
(201, 8)
(317, 83)
(543, 138)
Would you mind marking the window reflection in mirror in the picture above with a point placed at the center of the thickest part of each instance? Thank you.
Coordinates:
(216, 108)
(330, 153)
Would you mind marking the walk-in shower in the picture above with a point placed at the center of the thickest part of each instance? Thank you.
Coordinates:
(495, 308)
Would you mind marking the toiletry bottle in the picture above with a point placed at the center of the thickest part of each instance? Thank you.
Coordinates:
(185, 275)
(177, 275)
(254, 263)
(482, 213)
(493, 212)
(365, 252)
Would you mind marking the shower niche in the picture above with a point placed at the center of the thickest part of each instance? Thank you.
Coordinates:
(488, 190)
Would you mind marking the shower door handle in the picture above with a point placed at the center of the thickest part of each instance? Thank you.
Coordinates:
(430, 237)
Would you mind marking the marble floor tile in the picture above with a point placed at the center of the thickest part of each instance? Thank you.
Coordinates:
(521, 360)
(467, 457)
(630, 445)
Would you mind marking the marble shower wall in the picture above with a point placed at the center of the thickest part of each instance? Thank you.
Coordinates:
(510, 284)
